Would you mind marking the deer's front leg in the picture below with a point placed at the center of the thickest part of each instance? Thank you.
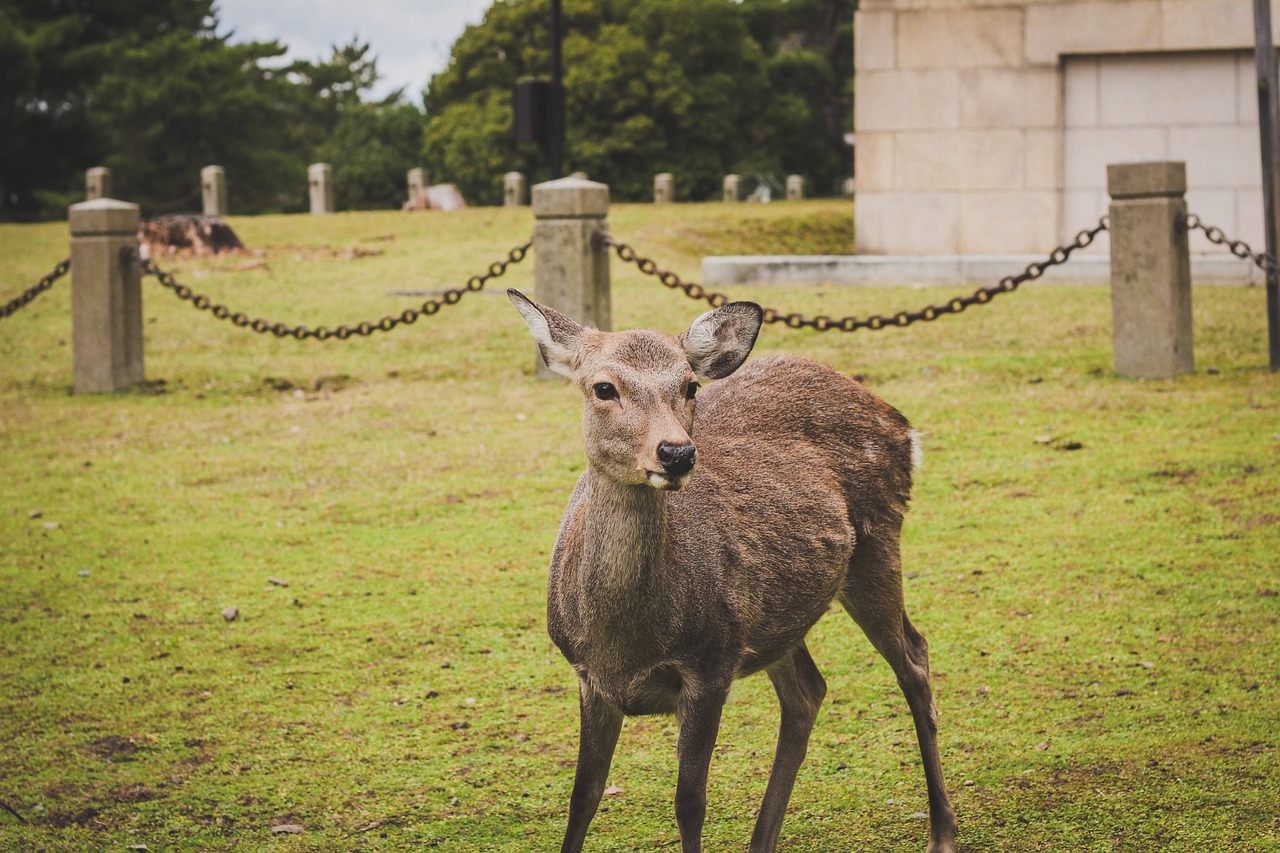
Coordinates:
(598, 735)
(699, 725)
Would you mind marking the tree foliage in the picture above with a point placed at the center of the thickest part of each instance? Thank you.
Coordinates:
(700, 88)
(152, 89)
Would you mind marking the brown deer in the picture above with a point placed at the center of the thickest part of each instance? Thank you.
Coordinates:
(665, 586)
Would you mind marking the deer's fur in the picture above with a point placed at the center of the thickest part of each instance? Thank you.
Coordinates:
(667, 584)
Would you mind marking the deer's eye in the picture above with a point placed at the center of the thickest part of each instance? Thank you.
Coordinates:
(605, 391)
(691, 391)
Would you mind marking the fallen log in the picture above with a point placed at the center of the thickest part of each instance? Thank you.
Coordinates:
(187, 234)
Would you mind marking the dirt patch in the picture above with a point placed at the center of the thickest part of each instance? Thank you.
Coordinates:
(113, 748)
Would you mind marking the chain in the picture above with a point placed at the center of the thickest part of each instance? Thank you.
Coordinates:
(17, 303)
(323, 333)
(823, 323)
(1239, 248)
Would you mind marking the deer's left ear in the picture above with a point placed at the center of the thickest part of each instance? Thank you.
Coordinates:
(719, 341)
(558, 336)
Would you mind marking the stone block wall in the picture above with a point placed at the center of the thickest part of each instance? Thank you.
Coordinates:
(973, 116)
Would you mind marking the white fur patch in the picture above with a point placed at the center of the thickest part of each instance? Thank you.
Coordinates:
(700, 341)
(917, 452)
(668, 484)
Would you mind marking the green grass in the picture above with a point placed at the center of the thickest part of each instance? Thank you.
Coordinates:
(1103, 621)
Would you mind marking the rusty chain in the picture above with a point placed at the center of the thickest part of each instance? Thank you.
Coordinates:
(17, 303)
(343, 332)
(626, 253)
(1239, 248)
(823, 323)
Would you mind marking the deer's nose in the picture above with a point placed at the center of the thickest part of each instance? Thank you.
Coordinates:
(677, 459)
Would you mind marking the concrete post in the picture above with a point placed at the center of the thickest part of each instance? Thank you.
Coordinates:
(513, 189)
(570, 262)
(664, 188)
(417, 181)
(213, 190)
(320, 182)
(731, 184)
(97, 183)
(795, 187)
(1150, 270)
(106, 296)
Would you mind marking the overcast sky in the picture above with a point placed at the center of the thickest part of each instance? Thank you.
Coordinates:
(411, 38)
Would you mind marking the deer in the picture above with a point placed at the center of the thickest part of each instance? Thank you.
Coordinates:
(680, 567)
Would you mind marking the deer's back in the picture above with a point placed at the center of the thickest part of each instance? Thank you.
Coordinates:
(752, 426)
(796, 464)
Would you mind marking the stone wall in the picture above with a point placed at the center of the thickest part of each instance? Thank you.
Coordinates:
(962, 129)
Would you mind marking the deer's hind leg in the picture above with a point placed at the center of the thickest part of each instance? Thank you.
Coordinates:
(873, 597)
(800, 688)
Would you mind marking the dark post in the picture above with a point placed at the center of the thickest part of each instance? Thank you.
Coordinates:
(1268, 119)
(556, 148)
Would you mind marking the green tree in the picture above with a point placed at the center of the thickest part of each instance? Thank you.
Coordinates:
(52, 55)
(810, 48)
(695, 87)
(372, 147)
(151, 89)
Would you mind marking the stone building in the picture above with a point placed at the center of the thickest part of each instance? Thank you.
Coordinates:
(985, 126)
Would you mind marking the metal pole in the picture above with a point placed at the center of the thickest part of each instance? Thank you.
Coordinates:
(556, 147)
(1268, 120)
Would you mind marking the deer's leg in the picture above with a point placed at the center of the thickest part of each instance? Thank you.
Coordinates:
(699, 714)
(873, 597)
(800, 689)
(598, 736)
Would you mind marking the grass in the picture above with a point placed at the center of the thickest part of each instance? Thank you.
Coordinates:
(1103, 620)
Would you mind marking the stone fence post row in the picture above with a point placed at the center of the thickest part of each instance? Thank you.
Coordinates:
(1150, 273)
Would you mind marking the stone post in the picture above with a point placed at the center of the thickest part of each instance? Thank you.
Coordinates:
(513, 189)
(664, 188)
(795, 187)
(213, 190)
(106, 296)
(570, 261)
(417, 181)
(320, 182)
(97, 183)
(731, 184)
(1150, 270)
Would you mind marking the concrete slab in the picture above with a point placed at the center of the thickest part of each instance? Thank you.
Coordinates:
(925, 271)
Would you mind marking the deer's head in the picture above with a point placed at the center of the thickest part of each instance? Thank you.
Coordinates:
(639, 388)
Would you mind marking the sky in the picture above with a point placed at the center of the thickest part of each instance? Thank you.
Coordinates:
(411, 38)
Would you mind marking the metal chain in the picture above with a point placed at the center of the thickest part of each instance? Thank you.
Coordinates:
(1239, 248)
(14, 305)
(323, 333)
(823, 323)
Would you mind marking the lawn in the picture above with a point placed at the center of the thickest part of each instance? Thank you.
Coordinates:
(1092, 558)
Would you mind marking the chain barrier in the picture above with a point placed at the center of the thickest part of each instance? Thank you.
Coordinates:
(627, 254)
(823, 323)
(1239, 248)
(16, 304)
(323, 333)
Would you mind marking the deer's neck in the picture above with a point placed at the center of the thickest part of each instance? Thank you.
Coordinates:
(625, 537)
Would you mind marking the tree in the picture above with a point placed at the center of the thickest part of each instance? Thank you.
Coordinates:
(695, 87)
(151, 89)
(373, 146)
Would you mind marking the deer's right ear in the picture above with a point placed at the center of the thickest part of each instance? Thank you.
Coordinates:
(557, 335)
(719, 341)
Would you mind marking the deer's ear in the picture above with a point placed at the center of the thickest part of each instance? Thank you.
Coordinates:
(719, 341)
(557, 336)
